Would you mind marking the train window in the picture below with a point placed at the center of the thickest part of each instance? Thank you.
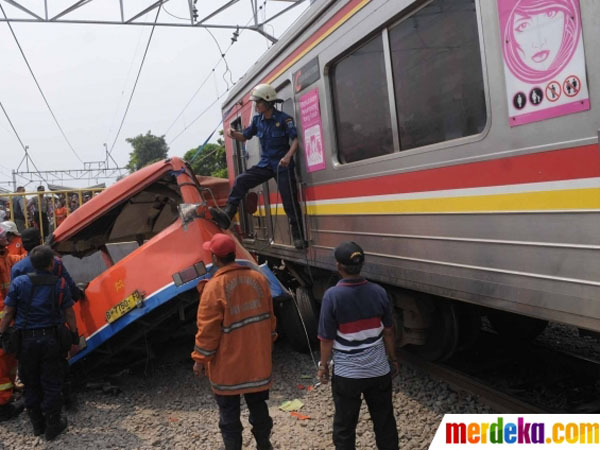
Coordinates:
(362, 109)
(288, 107)
(437, 71)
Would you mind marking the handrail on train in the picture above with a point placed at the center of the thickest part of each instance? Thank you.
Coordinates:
(65, 195)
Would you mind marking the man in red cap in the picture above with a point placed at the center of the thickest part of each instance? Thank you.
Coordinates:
(234, 342)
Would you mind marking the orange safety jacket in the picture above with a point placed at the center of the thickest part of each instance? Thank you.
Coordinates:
(236, 330)
(15, 247)
(8, 363)
(6, 262)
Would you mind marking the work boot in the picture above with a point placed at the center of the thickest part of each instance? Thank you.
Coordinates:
(37, 420)
(262, 441)
(10, 410)
(298, 238)
(222, 217)
(232, 442)
(55, 424)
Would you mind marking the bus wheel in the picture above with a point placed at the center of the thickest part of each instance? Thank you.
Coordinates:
(442, 333)
(299, 321)
(516, 328)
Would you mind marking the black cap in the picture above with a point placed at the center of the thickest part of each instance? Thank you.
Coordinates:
(349, 253)
(31, 238)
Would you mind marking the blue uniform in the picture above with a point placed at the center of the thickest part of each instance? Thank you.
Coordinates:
(24, 267)
(39, 311)
(44, 310)
(274, 135)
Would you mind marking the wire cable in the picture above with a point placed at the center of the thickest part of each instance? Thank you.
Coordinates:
(38, 85)
(174, 16)
(12, 126)
(205, 80)
(198, 117)
(21, 142)
(117, 107)
(137, 78)
(192, 98)
(227, 69)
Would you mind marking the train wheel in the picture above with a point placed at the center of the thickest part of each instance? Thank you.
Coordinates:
(300, 321)
(469, 323)
(442, 334)
(516, 328)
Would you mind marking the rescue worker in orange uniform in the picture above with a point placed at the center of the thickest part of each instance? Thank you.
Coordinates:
(8, 363)
(15, 243)
(234, 342)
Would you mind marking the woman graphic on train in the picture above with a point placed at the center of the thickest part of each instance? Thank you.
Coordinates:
(540, 38)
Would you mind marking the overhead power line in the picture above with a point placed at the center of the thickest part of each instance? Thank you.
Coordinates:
(27, 156)
(137, 78)
(38, 86)
(222, 58)
(198, 117)
(12, 126)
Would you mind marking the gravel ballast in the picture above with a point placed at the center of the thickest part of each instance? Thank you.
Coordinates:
(170, 408)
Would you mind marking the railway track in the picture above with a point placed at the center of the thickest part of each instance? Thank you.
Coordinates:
(532, 378)
(496, 399)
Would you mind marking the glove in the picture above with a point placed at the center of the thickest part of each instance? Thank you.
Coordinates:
(75, 337)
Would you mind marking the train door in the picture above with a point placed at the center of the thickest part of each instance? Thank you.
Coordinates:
(239, 158)
(279, 226)
(253, 222)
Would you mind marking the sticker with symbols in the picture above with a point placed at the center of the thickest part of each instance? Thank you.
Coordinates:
(536, 96)
(572, 86)
(553, 91)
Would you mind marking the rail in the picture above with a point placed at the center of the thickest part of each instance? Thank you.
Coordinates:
(44, 210)
(497, 400)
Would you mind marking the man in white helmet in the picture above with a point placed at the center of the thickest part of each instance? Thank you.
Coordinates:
(275, 130)
(15, 244)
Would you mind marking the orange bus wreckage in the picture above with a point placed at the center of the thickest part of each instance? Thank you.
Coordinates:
(138, 245)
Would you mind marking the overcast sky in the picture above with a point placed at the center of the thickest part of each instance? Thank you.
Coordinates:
(87, 73)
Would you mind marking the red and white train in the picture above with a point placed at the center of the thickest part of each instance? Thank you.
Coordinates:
(457, 142)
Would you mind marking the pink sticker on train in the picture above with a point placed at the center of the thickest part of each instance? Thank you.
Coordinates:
(312, 130)
(544, 59)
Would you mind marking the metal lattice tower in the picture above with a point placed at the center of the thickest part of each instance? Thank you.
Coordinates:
(120, 12)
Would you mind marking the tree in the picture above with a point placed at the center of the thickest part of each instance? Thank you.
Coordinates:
(147, 149)
(210, 161)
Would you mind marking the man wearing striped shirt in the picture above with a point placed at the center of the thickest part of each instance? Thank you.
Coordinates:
(356, 326)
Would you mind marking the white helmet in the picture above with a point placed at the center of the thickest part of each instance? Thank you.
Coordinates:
(10, 227)
(264, 92)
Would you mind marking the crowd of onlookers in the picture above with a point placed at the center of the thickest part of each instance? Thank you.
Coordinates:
(45, 210)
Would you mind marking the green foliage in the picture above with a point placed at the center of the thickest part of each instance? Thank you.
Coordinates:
(211, 161)
(147, 149)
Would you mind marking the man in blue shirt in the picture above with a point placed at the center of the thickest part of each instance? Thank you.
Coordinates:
(274, 129)
(356, 325)
(31, 239)
(40, 303)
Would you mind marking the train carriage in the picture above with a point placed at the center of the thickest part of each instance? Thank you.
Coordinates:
(457, 142)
